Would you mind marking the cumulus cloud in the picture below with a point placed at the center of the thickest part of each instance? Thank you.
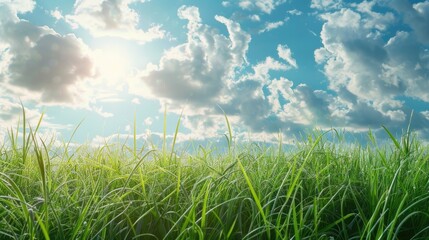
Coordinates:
(365, 66)
(326, 4)
(197, 71)
(286, 54)
(9, 111)
(273, 104)
(21, 6)
(11, 115)
(265, 6)
(112, 18)
(416, 16)
(200, 74)
(369, 67)
(262, 69)
(40, 62)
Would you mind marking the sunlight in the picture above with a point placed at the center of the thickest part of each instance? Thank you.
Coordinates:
(113, 62)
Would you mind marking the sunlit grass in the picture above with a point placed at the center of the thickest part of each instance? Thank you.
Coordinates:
(320, 190)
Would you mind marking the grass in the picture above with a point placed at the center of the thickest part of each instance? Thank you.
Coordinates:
(320, 190)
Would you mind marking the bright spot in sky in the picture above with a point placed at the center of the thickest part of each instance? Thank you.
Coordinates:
(113, 63)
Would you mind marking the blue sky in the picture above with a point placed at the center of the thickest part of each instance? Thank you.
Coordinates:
(273, 66)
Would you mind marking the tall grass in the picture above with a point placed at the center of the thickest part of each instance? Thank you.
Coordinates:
(323, 189)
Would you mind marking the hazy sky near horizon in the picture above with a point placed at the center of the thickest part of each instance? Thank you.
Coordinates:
(271, 65)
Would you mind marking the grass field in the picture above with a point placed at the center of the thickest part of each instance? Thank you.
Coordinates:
(319, 190)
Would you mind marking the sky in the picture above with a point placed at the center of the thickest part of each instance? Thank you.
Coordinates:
(273, 67)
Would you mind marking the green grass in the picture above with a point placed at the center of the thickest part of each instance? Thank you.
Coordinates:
(320, 190)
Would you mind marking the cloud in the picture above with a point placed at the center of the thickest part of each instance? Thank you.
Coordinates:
(148, 121)
(56, 14)
(326, 4)
(262, 69)
(99, 111)
(200, 73)
(364, 65)
(11, 115)
(245, 4)
(9, 111)
(226, 3)
(265, 6)
(255, 18)
(271, 25)
(112, 18)
(369, 68)
(374, 20)
(145, 138)
(286, 54)
(135, 101)
(21, 6)
(416, 16)
(184, 73)
(295, 12)
(272, 104)
(197, 71)
(41, 64)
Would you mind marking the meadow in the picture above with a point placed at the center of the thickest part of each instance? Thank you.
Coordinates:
(323, 188)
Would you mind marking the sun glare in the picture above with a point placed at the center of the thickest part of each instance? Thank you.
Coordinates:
(113, 62)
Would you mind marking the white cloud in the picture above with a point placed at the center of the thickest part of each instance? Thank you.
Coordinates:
(375, 20)
(416, 16)
(245, 4)
(326, 4)
(262, 69)
(21, 6)
(39, 63)
(112, 18)
(226, 3)
(106, 96)
(286, 54)
(192, 14)
(422, 7)
(57, 14)
(198, 75)
(355, 60)
(148, 121)
(321, 55)
(265, 6)
(369, 72)
(98, 140)
(136, 101)
(196, 72)
(255, 18)
(295, 12)
(303, 106)
(11, 116)
(210, 126)
(9, 112)
(425, 114)
(271, 25)
(99, 111)
(342, 19)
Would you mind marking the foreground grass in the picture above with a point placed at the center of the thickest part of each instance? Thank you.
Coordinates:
(321, 190)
